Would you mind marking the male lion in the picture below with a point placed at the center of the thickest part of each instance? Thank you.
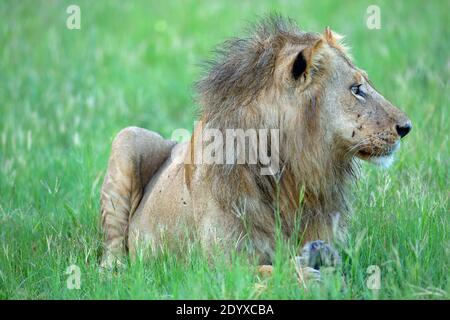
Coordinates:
(327, 113)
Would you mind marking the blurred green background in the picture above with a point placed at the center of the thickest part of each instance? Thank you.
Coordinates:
(65, 93)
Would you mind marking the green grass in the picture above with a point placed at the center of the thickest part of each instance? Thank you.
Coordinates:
(64, 94)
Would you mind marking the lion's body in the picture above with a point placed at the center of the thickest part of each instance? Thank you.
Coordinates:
(170, 210)
(283, 79)
(173, 208)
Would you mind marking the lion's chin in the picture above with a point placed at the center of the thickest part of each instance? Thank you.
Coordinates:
(384, 161)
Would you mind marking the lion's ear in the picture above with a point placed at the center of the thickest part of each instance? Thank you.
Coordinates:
(303, 61)
(336, 40)
(299, 66)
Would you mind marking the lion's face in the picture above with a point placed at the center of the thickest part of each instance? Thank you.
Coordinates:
(353, 116)
(362, 120)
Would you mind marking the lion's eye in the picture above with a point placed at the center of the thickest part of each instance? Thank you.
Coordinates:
(359, 90)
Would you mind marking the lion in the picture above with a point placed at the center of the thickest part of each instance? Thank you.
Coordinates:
(327, 114)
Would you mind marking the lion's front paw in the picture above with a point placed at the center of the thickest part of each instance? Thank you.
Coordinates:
(306, 275)
(317, 254)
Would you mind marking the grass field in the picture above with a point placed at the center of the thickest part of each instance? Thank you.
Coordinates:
(65, 93)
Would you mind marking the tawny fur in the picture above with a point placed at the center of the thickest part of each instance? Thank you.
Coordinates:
(249, 85)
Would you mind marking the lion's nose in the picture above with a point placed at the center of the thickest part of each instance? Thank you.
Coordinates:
(403, 130)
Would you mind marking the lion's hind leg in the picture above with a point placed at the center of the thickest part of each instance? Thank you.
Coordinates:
(135, 157)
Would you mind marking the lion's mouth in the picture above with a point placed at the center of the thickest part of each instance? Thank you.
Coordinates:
(367, 155)
(382, 157)
(364, 155)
